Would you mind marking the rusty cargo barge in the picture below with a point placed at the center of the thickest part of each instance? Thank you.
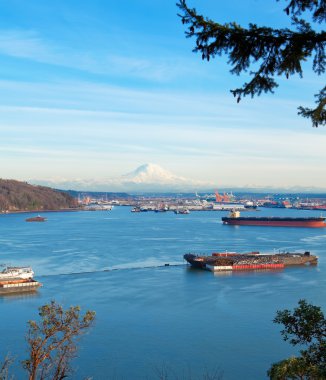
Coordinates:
(249, 261)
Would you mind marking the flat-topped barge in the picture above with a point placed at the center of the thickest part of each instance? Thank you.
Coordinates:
(249, 261)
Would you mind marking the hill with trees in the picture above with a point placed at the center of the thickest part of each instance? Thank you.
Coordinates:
(21, 196)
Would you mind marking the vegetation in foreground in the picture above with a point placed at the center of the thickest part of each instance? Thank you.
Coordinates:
(305, 326)
(21, 196)
(52, 342)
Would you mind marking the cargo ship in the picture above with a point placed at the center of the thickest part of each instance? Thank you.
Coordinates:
(234, 218)
(17, 279)
(232, 261)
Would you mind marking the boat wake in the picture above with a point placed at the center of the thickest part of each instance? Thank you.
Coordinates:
(167, 265)
(314, 238)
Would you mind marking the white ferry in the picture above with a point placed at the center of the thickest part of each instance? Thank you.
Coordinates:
(23, 273)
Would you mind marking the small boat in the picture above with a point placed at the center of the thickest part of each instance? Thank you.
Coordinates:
(161, 208)
(182, 212)
(37, 218)
(250, 205)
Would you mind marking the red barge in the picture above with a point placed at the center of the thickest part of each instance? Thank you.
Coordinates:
(234, 218)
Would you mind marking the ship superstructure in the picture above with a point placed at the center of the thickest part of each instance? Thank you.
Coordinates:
(16, 272)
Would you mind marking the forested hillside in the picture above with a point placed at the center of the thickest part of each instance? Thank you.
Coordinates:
(20, 196)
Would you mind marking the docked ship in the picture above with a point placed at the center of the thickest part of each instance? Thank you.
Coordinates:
(234, 218)
(233, 261)
(17, 279)
(182, 211)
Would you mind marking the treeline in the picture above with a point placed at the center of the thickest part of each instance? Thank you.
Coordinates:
(98, 194)
(21, 196)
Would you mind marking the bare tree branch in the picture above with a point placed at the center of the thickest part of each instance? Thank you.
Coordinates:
(52, 340)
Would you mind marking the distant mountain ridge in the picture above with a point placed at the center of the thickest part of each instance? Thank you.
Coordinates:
(152, 178)
(21, 196)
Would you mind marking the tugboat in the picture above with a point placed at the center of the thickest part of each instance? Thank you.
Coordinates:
(37, 218)
(183, 212)
(162, 208)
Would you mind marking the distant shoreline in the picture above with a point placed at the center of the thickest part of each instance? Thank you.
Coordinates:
(40, 211)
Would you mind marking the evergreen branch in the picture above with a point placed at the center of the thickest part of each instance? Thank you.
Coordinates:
(318, 114)
(245, 46)
(277, 52)
(317, 7)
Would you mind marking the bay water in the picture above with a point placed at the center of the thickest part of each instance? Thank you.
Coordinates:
(151, 317)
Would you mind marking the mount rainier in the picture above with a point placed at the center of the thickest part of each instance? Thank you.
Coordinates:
(147, 177)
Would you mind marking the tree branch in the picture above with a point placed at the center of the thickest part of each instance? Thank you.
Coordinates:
(277, 52)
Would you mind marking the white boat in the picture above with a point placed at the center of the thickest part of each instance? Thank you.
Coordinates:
(183, 211)
(23, 273)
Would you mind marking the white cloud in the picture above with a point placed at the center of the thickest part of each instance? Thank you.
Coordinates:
(24, 44)
(87, 129)
(28, 44)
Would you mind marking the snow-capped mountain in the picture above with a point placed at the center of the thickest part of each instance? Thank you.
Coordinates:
(147, 177)
(154, 178)
(151, 173)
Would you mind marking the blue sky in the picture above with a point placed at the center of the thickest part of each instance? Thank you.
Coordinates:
(93, 89)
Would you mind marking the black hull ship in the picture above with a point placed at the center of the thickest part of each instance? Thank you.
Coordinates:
(235, 219)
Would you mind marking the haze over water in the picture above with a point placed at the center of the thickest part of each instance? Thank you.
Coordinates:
(148, 315)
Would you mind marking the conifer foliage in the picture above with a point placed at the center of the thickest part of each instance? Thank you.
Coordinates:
(305, 326)
(267, 51)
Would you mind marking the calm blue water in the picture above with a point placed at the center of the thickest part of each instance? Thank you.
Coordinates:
(149, 317)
